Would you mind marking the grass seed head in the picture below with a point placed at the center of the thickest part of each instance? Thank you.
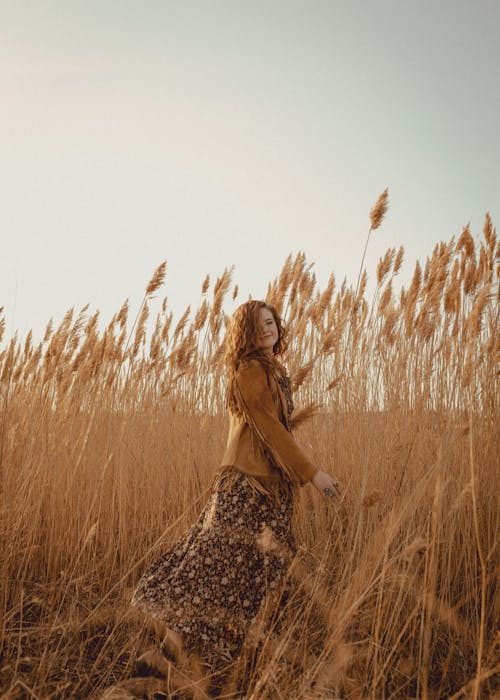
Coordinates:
(379, 210)
(157, 279)
(466, 242)
(205, 285)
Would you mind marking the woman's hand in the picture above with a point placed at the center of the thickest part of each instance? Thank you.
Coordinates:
(326, 485)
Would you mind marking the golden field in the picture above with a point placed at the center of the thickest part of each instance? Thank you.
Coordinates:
(110, 436)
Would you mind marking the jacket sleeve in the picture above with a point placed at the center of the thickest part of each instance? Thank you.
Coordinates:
(257, 403)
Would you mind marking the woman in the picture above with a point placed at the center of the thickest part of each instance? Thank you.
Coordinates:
(210, 585)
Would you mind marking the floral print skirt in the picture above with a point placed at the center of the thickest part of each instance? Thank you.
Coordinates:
(211, 584)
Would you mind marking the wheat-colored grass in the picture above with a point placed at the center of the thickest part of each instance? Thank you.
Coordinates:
(109, 437)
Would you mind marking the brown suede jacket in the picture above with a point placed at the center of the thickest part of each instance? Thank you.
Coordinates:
(259, 442)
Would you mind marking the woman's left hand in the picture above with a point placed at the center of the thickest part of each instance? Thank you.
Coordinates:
(326, 485)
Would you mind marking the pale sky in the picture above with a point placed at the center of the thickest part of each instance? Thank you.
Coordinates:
(234, 132)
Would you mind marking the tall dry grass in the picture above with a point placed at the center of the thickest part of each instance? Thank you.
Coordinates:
(109, 437)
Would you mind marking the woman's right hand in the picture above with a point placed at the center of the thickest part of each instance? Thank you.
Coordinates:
(326, 485)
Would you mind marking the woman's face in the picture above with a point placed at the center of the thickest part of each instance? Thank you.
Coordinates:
(267, 331)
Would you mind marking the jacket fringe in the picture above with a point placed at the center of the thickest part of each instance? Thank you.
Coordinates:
(226, 476)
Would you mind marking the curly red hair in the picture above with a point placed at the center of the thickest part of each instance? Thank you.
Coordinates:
(241, 340)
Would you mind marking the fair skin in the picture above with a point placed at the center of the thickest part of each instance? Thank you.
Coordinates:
(267, 339)
(268, 331)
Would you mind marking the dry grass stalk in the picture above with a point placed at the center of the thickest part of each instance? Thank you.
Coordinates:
(386, 297)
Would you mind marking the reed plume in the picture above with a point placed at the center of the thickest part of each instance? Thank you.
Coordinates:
(157, 279)
(379, 210)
